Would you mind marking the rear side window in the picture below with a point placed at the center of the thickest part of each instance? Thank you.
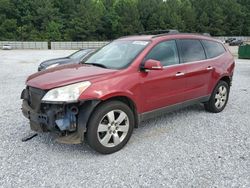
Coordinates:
(165, 52)
(213, 49)
(191, 50)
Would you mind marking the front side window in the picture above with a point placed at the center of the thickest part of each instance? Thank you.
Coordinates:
(213, 49)
(118, 54)
(165, 52)
(191, 50)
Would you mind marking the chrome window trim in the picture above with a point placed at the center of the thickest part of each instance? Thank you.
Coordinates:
(193, 62)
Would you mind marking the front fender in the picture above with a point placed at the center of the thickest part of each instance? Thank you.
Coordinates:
(124, 86)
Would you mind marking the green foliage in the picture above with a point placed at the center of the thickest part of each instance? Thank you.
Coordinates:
(126, 20)
(56, 20)
(53, 31)
(84, 21)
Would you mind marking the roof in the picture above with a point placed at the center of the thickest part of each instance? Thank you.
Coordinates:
(167, 36)
(137, 37)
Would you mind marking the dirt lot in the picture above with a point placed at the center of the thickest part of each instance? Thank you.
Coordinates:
(186, 148)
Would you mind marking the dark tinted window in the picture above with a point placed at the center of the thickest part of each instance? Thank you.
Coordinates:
(213, 49)
(191, 50)
(165, 52)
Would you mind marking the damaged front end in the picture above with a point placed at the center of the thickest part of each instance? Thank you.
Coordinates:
(67, 120)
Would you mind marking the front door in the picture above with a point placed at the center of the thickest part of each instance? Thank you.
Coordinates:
(165, 87)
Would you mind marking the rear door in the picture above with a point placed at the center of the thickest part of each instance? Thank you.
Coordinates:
(164, 87)
(215, 59)
(198, 69)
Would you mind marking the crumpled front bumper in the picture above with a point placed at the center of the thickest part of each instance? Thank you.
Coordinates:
(67, 120)
(38, 121)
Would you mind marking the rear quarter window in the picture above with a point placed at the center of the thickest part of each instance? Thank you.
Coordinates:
(213, 49)
(191, 50)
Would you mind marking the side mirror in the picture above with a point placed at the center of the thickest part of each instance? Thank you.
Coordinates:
(152, 65)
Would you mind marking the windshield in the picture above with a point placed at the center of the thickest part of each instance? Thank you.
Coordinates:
(79, 54)
(117, 54)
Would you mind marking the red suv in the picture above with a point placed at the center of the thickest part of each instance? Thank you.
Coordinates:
(127, 81)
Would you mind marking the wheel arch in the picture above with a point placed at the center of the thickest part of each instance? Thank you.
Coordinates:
(227, 79)
(128, 101)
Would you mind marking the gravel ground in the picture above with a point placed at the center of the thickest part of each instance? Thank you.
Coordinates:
(186, 148)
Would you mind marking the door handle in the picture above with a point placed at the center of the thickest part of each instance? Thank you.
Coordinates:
(180, 74)
(209, 68)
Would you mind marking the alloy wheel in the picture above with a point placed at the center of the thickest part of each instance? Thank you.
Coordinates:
(113, 128)
(221, 97)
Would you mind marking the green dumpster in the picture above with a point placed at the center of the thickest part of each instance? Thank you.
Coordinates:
(244, 51)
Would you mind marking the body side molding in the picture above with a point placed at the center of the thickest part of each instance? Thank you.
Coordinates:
(157, 112)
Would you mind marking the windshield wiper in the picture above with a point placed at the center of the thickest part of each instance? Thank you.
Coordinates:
(97, 64)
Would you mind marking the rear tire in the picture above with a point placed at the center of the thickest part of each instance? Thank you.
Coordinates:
(110, 127)
(219, 98)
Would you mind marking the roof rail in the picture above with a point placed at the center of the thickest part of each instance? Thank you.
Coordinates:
(177, 32)
(156, 33)
(159, 32)
(169, 33)
(206, 34)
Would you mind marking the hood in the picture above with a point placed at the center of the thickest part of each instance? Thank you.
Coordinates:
(65, 75)
(57, 60)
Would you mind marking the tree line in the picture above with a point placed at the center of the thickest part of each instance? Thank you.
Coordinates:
(79, 20)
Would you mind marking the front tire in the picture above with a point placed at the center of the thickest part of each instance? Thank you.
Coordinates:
(219, 98)
(110, 127)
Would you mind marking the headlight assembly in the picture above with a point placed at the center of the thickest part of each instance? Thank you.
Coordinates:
(69, 93)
